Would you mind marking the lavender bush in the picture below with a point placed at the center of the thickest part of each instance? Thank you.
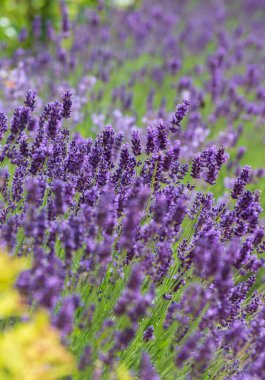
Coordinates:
(124, 181)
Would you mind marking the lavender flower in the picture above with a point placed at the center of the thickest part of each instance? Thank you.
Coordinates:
(182, 110)
(126, 252)
(136, 143)
(197, 167)
(67, 104)
(20, 120)
(3, 125)
(148, 334)
(150, 143)
(161, 136)
(241, 182)
(147, 372)
(30, 100)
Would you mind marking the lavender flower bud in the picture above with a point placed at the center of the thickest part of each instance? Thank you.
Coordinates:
(67, 104)
(65, 19)
(59, 201)
(65, 318)
(136, 143)
(3, 125)
(148, 334)
(221, 157)
(30, 100)
(161, 137)
(150, 143)
(196, 168)
(241, 182)
(20, 120)
(182, 110)
(147, 371)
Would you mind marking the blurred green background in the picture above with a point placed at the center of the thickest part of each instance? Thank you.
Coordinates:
(16, 15)
(19, 14)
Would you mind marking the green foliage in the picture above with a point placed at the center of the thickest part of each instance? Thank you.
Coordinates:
(19, 14)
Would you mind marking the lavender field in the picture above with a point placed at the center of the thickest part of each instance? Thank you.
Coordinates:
(132, 181)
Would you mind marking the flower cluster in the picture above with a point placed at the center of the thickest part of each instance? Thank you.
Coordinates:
(97, 216)
(143, 229)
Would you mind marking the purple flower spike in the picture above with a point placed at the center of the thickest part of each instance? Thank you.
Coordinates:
(65, 318)
(20, 120)
(197, 167)
(30, 100)
(3, 125)
(182, 110)
(161, 137)
(136, 143)
(147, 371)
(67, 104)
(148, 334)
(150, 143)
(65, 19)
(241, 182)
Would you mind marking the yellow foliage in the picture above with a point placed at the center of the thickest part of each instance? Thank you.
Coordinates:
(33, 351)
(11, 304)
(30, 350)
(10, 267)
(10, 301)
(123, 373)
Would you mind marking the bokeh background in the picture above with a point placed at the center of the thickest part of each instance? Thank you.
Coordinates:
(17, 15)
